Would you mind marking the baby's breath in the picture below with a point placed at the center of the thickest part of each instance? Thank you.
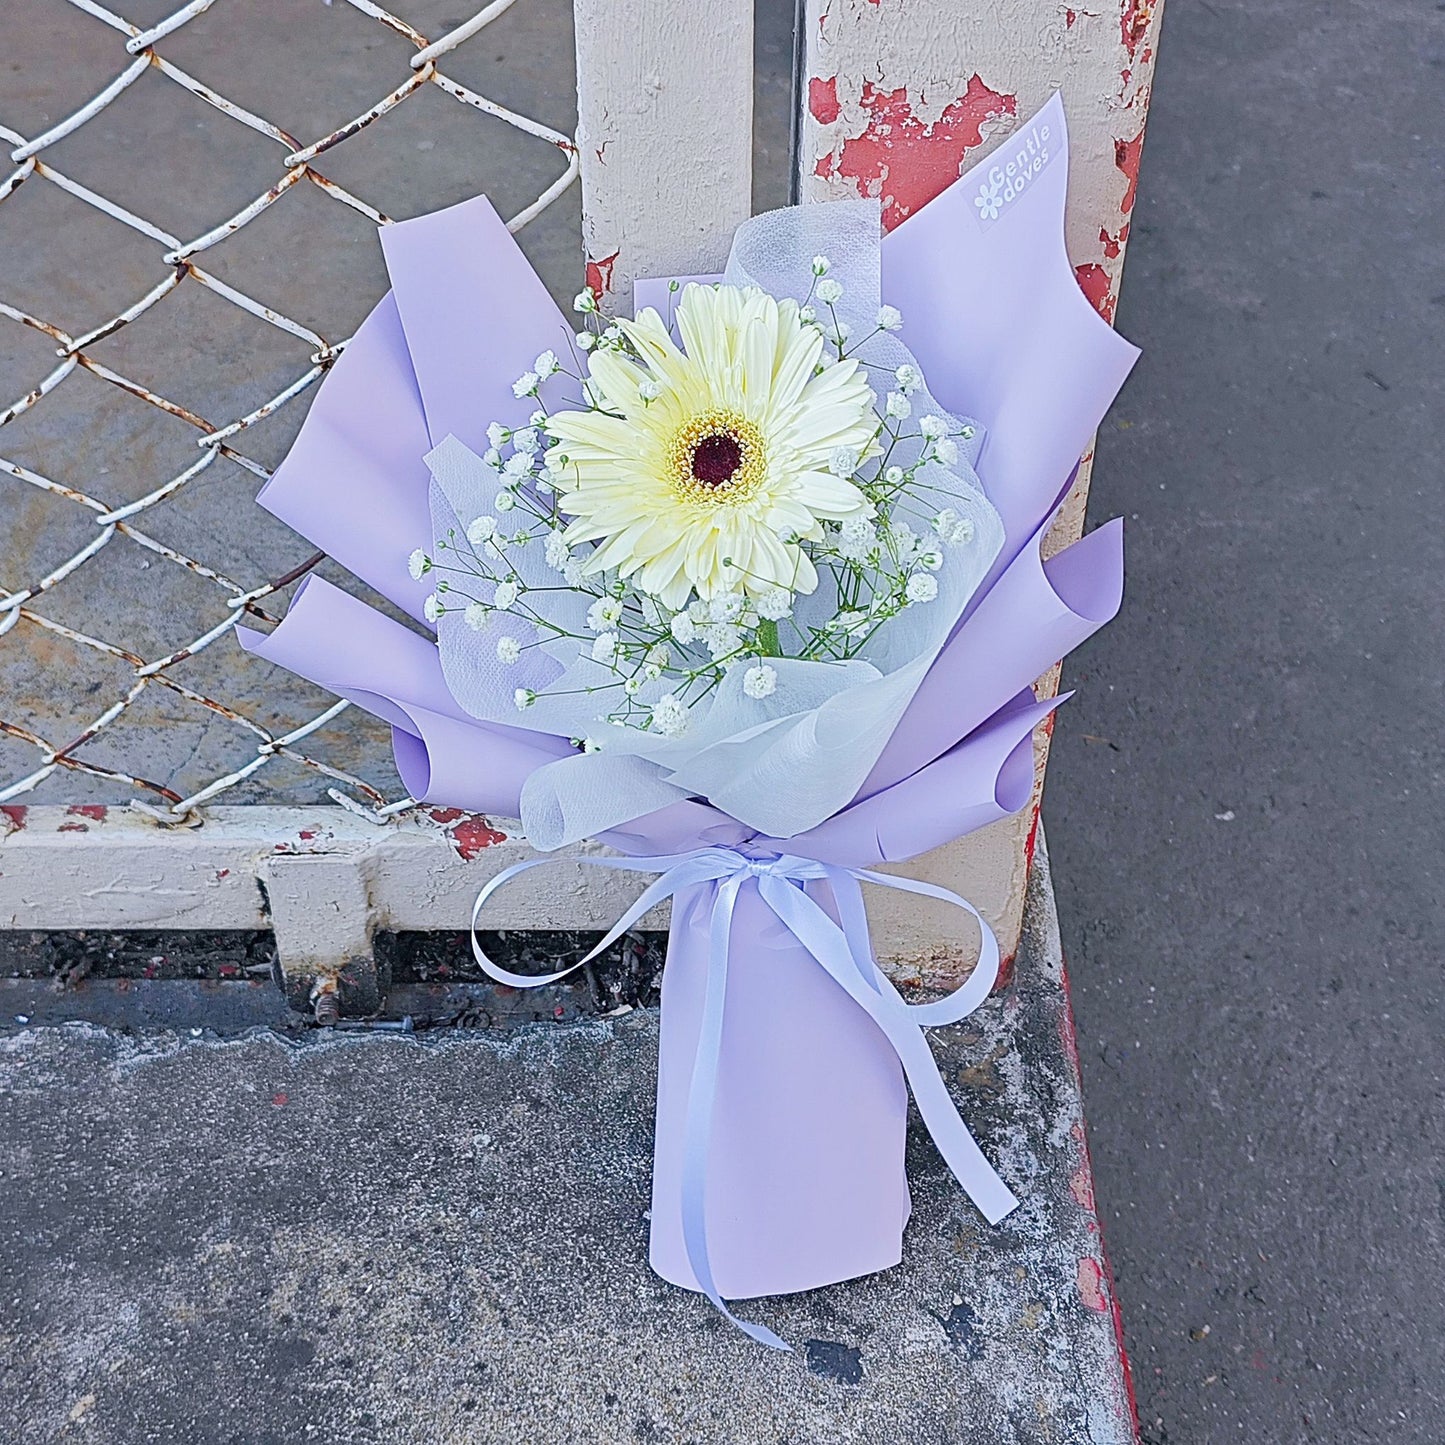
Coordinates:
(650, 665)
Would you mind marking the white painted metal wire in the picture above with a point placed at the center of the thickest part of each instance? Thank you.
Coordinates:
(183, 266)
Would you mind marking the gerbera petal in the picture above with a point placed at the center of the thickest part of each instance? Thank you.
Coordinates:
(633, 483)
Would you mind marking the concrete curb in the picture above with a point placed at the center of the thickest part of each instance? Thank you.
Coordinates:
(374, 1239)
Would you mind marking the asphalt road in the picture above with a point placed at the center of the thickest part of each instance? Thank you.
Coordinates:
(1243, 803)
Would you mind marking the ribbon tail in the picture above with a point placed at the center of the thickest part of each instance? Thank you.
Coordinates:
(678, 870)
(701, 1094)
(836, 953)
(979, 1179)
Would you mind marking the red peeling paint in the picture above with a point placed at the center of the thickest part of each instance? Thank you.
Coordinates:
(73, 828)
(1126, 157)
(445, 815)
(823, 99)
(599, 274)
(307, 834)
(1094, 282)
(1134, 23)
(1114, 245)
(1081, 1186)
(905, 161)
(473, 834)
(1069, 17)
(15, 816)
(1070, 1040)
(279, 1100)
(94, 811)
(222, 873)
(1092, 1289)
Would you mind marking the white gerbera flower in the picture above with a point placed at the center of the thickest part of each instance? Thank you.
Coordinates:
(713, 484)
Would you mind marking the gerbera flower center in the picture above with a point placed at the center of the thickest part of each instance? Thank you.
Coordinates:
(716, 457)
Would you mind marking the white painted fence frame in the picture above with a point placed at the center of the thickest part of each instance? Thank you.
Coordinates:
(896, 98)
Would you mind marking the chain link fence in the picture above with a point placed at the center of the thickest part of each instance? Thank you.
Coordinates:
(196, 267)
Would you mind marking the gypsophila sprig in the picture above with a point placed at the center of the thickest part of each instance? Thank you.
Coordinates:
(718, 470)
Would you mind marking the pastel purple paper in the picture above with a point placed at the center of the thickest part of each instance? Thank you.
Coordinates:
(1003, 332)
(443, 754)
(1035, 613)
(475, 315)
(806, 1181)
(354, 482)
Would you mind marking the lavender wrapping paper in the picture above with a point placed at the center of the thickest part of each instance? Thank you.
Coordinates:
(805, 1182)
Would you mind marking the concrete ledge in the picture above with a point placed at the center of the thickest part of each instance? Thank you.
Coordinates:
(388, 1241)
(325, 880)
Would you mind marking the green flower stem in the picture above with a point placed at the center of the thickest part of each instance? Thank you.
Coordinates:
(768, 641)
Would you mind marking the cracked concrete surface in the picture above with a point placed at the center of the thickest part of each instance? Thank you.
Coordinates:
(376, 1240)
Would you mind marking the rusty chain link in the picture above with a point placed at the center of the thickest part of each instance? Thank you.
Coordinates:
(183, 267)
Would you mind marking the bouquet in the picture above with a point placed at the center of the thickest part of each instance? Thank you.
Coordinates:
(747, 587)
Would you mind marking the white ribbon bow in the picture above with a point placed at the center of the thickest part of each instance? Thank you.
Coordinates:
(845, 953)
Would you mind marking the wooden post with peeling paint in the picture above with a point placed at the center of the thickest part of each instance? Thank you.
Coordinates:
(664, 131)
(898, 98)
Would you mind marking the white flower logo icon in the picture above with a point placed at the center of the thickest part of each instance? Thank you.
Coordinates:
(987, 201)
